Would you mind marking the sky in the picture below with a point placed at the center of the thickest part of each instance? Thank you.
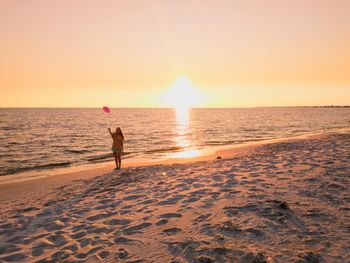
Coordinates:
(129, 53)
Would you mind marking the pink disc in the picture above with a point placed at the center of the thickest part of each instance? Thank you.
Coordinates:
(106, 109)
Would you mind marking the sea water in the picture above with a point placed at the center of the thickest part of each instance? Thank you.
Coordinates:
(35, 139)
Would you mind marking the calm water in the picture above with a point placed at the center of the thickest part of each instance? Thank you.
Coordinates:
(36, 139)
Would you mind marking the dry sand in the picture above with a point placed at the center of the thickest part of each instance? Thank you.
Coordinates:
(280, 202)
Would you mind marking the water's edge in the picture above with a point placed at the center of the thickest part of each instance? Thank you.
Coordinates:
(208, 153)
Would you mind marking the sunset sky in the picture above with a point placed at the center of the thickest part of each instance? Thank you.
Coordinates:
(129, 53)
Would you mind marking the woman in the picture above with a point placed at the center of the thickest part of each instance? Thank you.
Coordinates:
(117, 147)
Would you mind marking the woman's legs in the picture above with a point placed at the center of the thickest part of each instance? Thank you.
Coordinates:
(119, 159)
(115, 159)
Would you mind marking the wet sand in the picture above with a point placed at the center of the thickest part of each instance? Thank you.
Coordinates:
(285, 201)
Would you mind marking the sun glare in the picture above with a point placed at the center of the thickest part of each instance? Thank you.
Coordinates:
(182, 95)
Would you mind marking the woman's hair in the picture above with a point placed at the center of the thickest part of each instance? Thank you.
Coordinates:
(119, 131)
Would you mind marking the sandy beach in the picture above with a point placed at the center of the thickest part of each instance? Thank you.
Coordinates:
(230, 121)
(286, 201)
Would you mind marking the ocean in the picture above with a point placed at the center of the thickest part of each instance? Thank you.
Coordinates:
(34, 139)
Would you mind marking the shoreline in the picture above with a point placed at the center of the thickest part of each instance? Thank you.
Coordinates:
(205, 154)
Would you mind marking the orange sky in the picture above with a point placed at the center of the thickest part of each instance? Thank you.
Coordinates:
(127, 53)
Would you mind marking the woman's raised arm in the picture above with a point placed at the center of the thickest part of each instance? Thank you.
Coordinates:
(109, 129)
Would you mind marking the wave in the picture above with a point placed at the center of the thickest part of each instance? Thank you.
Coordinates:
(53, 165)
(35, 167)
(97, 158)
(100, 157)
(109, 156)
(223, 142)
(7, 128)
(164, 150)
(105, 156)
(77, 151)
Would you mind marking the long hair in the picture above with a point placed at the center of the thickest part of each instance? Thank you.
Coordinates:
(119, 132)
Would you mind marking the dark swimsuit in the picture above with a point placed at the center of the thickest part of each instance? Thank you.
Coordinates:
(116, 150)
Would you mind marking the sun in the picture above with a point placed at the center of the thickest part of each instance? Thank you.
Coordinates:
(183, 95)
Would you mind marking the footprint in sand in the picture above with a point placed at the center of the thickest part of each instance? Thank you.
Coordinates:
(79, 227)
(162, 222)
(85, 242)
(177, 248)
(100, 216)
(199, 192)
(59, 255)
(72, 248)
(102, 207)
(100, 230)
(103, 254)
(191, 200)
(38, 248)
(56, 240)
(147, 217)
(15, 240)
(146, 202)
(229, 184)
(207, 204)
(124, 240)
(126, 207)
(198, 185)
(141, 209)
(202, 218)
(122, 253)
(172, 231)
(171, 200)
(118, 222)
(52, 226)
(136, 229)
(170, 215)
(182, 186)
(94, 250)
(9, 249)
(125, 212)
(133, 197)
(78, 235)
(255, 233)
(44, 213)
(81, 255)
(189, 180)
(32, 239)
(13, 258)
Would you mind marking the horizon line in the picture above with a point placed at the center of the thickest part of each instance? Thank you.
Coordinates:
(224, 107)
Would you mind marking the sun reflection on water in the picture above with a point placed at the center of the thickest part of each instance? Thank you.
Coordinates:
(182, 127)
(183, 131)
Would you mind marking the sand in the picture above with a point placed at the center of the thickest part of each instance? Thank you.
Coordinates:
(287, 201)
